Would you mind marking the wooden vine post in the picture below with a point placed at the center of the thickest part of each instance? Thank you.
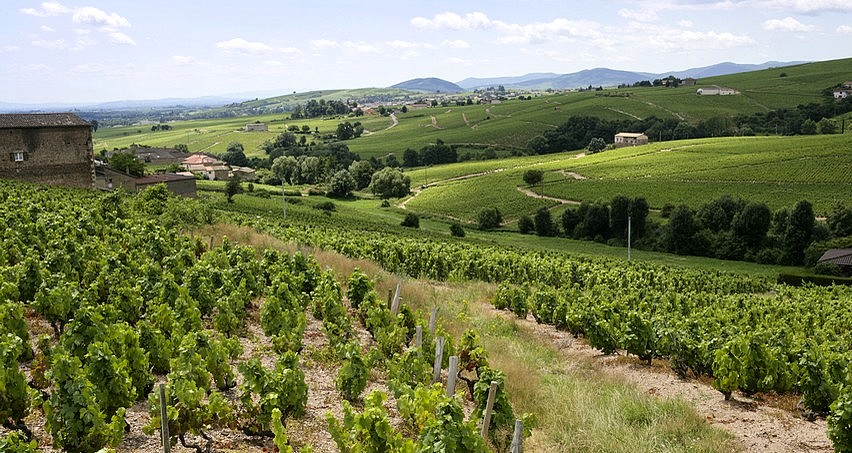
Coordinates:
(164, 419)
(433, 318)
(489, 407)
(418, 336)
(395, 304)
(439, 356)
(451, 375)
(518, 438)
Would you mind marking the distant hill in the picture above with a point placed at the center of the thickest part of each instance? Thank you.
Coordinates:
(429, 85)
(611, 77)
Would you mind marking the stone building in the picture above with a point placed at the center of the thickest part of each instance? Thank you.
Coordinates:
(630, 139)
(48, 148)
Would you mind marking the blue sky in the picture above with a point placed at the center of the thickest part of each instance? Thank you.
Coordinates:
(95, 50)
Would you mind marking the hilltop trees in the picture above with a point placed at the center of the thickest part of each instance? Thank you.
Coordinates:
(235, 155)
(390, 183)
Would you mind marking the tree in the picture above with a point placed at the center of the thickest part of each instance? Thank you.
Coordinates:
(681, 231)
(827, 126)
(282, 141)
(809, 127)
(410, 158)
(840, 221)
(182, 147)
(799, 232)
(619, 211)
(596, 145)
(404, 109)
(456, 230)
(310, 169)
(390, 183)
(596, 221)
(235, 155)
(362, 172)
(284, 168)
(533, 176)
(489, 218)
(544, 225)
(526, 224)
(341, 184)
(539, 145)
(638, 211)
(391, 161)
(752, 223)
(233, 187)
(128, 163)
(570, 219)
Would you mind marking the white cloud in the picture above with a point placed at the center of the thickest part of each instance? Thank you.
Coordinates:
(360, 47)
(809, 6)
(47, 44)
(694, 40)
(9, 49)
(843, 30)
(37, 67)
(241, 46)
(557, 30)
(182, 60)
(456, 44)
(398, 44)
(47, 29)
(120, 38)
(786, 24)
(47, 9)
(95, 16)
(685, 23)
(453, 21)
(645, 15)
(324, 44)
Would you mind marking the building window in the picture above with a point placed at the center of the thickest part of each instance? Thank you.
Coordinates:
(19, 156)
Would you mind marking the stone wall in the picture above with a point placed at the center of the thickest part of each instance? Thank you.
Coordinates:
(53, 155)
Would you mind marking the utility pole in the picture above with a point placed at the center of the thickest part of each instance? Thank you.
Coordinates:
(283, 199)
(629, 233)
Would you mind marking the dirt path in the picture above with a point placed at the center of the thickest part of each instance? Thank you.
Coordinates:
(624, 113)
(395, 122)
(676, 115)
(532, 194)
(434, 123)
(757, 426)
(572, 174)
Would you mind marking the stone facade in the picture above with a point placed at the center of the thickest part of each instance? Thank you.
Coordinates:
(49, 148)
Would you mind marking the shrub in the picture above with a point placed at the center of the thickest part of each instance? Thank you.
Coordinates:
(489, 218)
(456, 230)
(411, 220)
(525, 224)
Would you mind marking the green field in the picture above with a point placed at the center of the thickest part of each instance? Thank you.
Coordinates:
(778, 171)
(504, 127)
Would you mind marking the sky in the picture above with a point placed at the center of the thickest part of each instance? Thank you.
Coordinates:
(76, 51)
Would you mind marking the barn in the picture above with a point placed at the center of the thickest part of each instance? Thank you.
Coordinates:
(47, 148)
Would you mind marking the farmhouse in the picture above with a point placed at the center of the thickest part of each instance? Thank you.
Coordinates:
(49, 148)
(842, 258)
(842, 94)
(847, 84)
(179, 184)
(716, 90)
(256, 127)
(688, 82)
(630, 139)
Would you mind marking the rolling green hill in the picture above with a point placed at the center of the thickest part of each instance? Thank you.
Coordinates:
(506, 126)
(778, 171)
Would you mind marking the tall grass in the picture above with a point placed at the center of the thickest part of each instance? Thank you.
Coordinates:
(578, 407)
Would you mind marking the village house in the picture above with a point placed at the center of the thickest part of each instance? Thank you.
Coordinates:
(256, 127)
(841, 258)
(155, 156)
(630, 139)
(716, 90)
(178, 183)
(208, 166)
(48, 148)
(243, 173)
(842, 94)
(688, 82)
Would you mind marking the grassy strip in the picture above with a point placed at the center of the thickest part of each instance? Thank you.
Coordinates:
(578, 407)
